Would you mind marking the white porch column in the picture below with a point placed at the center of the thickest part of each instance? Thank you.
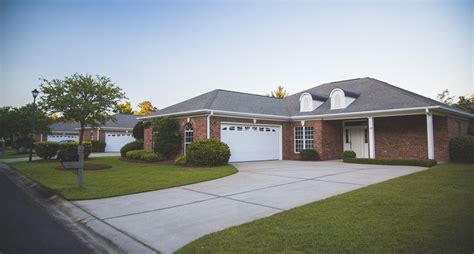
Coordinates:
(371, 138)
(429, 134)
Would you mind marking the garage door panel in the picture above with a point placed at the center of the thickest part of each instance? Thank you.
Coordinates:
(252, 142)
(115, 141)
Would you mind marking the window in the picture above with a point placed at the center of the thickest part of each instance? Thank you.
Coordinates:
(303, 138)
(337, 99)
(306, 102)
(188, 135)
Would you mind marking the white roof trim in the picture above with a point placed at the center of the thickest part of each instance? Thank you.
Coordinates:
(326, 116)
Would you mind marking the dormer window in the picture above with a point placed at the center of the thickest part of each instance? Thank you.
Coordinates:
(337, 99)
(310, 102)
(306, 102)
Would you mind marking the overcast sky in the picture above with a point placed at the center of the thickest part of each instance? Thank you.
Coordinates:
(168, 51)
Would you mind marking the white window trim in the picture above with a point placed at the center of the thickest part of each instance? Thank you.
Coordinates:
(304, 138)
(343, 98)
(306, 96)
(184, 136)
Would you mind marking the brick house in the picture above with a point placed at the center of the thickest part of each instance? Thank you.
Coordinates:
(115, 134)
(368, 116)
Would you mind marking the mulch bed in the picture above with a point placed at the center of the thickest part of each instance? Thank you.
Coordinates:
(89, 166)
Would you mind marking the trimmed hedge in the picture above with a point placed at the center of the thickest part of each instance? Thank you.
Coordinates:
(98, 146)
(144, 156)
(208, 152)
(134, 145)
(68, 151)
(349, 155)
(47, 150)
(462, 149)
(166, 138)
(421, 163)
(180, 161)
(309, 155)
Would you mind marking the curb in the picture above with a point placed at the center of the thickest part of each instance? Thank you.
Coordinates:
(96, 234)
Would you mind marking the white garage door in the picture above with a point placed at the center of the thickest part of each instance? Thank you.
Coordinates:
(252, 142)
(115, 140)
(59, 138)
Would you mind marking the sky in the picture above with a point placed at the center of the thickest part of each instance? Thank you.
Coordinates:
(169, 51)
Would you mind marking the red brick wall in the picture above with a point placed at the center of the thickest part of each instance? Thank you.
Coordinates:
(405, 137)
(332, 140)
(199, 129)
(457, 127)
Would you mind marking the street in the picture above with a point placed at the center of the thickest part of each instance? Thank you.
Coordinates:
(27, 228)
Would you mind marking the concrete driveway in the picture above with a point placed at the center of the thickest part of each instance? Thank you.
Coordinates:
(167, 219)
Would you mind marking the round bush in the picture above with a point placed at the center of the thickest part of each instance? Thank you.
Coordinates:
(134, 145)
(144, 156)
(98, 146)
(208, 152)
(348, 155)
(68, 151)
(135, 154)
(309, 155)
(180, 161)
(47, 150)
(462, 149)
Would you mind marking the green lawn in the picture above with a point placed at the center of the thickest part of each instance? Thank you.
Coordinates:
(123, 178)
(427, 212)
(10, 154)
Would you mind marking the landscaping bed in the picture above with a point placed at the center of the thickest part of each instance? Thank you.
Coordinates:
(122, 178)
(426, 212)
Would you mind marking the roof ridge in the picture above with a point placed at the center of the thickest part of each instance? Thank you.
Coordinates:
(213, 99)
(266, 96)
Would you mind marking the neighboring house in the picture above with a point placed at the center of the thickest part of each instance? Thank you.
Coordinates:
(368, 116)
(115, 134)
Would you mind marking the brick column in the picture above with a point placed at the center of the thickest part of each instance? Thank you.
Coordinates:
(148, 139)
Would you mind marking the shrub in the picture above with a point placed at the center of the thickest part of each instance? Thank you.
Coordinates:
(421, 163)
(348, 155)
(208, 152)
(144, 156)
(68, 151)
(309, 155)
(138, 131)
(134, 145)
(47, 150)
(462, 149)
(181, 161)
(166, 138)
(98, 146)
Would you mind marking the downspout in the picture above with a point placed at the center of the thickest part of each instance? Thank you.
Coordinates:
(209, 124)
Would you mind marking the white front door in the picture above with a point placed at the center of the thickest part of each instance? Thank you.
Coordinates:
(356, 139)
(248, 142)
(115, 140)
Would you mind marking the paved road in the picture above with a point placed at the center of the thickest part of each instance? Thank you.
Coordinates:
(168, 219)
(27, 228)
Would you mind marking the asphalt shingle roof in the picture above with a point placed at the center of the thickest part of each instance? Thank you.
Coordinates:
(122, 121)
(371, 94)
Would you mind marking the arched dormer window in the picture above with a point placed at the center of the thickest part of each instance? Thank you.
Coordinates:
(188, 135)
(306, 102)
(337, 99)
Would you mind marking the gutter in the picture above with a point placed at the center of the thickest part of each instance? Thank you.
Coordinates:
(303, 117)
(209, 124)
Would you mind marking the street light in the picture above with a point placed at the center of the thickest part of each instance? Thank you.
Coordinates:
(33, 120)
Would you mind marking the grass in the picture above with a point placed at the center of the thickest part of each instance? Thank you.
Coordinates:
(427, 212)
(10, 154)
(123, 178)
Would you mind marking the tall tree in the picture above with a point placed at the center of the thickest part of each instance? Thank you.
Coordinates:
(145, 108)
(85, 99)
(445, 97)
(18, 121)
(465, 103)
(124, 108)
(279, 93)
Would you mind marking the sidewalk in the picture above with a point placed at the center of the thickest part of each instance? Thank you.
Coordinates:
(38, 158)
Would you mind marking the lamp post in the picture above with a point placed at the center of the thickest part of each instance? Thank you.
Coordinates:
(33, 121)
